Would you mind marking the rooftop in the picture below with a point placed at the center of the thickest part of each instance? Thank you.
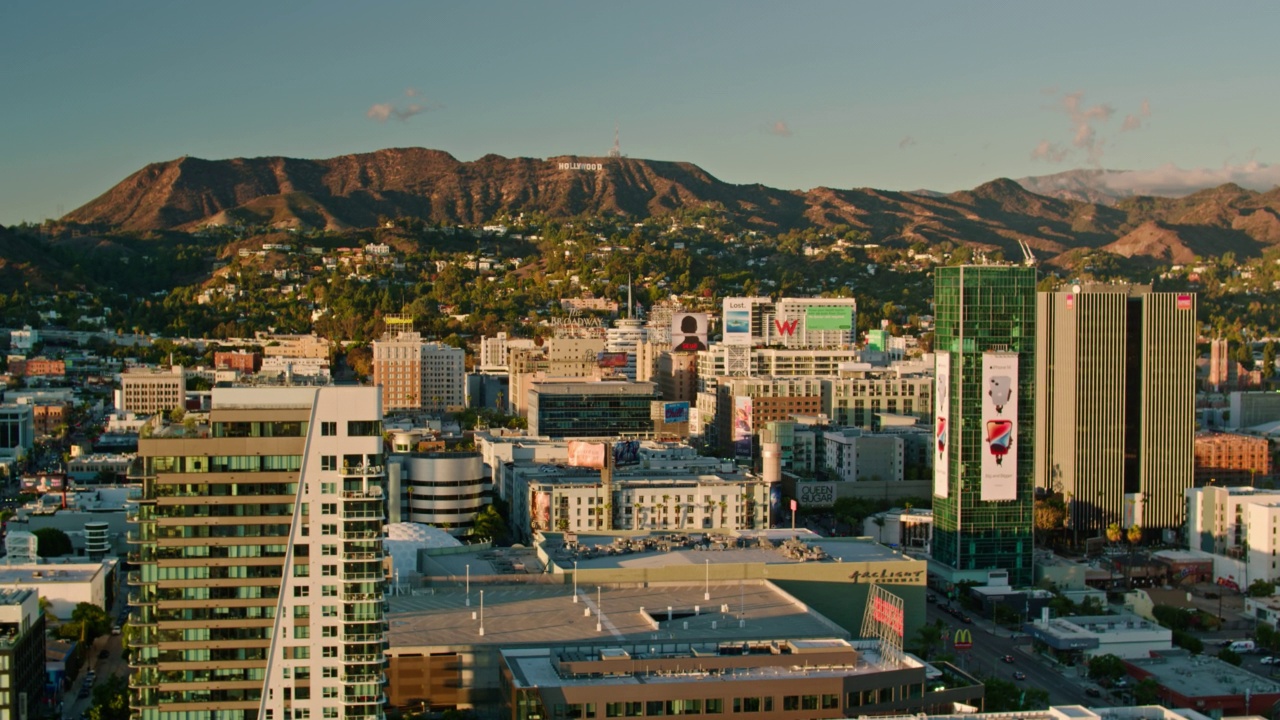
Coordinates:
(594, 552)
(23, 574)
(1203, 676)
(538, 614)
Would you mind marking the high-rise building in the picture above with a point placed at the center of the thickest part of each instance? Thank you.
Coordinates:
(1115, 404)
(983, 491)
(259, 588)
(418, 375)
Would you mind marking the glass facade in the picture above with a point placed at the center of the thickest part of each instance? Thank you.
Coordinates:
(980, 309)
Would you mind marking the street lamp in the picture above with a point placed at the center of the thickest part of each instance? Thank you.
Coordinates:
(481, 612)
(706, 591)
(468, 585)
(575, 581)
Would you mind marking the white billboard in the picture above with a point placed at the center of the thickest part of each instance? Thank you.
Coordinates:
(999, 426)
(689, 332)
(737, 321)
(942, 424)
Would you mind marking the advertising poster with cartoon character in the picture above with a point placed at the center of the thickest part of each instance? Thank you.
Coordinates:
(942, 424)
(999, 426)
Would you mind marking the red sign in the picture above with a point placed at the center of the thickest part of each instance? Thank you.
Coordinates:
(882, 611)
(793, 505)
(786, 327)
(1071, 301)
(964, 639)
(1184, 302)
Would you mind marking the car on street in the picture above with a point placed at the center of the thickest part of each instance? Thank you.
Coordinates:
(1019, 676)
(1093, 692)
(966, 619)
(931, 598)
(1007, 658)
(1269, 660)
(103, 655)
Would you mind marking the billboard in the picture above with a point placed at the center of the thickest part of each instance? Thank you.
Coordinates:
(885, 612)
(541, 510)
(999, 426)
(689, 332)
(626, 452)
(737, 321)
(942, 424)
(586, 454)
(742, 426)
(675, 412)
(611, 359)
(828, 318)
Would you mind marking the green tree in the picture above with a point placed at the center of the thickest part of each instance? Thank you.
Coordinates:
(1188, 642)
(88, 621)
(1146, 692)
(1005, 696)
(928, 637)
(489, 525)
(110, 699)
(1244, 356)
(1262, 588)
(1226, 654)
(1106, 667)
(1269, 359)
(52, 542)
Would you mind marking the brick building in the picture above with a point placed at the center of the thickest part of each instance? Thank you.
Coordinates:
(1231, 458)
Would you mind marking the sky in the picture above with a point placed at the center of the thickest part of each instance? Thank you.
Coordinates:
(894, 95)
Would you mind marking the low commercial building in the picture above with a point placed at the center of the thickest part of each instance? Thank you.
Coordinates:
(1087, 636)
(445, 489)
(599, 408)
(149, 391)
(1231, 458)
(64, 585)
(1205, 684)
(817, 678)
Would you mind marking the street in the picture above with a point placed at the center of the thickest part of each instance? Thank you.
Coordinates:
(990, 644)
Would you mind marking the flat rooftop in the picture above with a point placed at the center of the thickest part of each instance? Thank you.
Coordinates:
(593, 552)
(1201, 675)
(20, 574)
(536, 668)
(537, 614)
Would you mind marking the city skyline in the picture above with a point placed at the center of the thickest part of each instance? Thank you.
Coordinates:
(825, 94)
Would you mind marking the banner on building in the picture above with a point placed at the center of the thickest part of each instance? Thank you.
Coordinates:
(816, 494)
(675, 412)
(1131, 513)
(541, 510)
(737, 321)
(828, 318)
(611, 359)
(742, 426)
(689, 332)
(626, 452)
(586, 454)
(942, 424)
(999, 426)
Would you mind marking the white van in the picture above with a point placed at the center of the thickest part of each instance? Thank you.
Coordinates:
(1243, 646)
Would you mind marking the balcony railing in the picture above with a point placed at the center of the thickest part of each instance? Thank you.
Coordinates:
(361, 535)
(360, 470)
(371, 514)
(361, 597)
(373, 493)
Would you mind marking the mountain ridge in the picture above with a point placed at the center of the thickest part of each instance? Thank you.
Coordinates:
(358, 190)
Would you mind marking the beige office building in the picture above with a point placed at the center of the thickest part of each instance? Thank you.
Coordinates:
(146, 391)
(1115, 404)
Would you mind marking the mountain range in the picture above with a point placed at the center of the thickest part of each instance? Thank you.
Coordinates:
(357, 191)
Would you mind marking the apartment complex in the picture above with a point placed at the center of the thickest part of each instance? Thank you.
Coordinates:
(418, 375)
(259, 593)
(1231, 458)
(983, 481)
(1115, 403)
(146, 391)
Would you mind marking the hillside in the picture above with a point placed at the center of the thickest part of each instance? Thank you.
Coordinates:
(355, 191)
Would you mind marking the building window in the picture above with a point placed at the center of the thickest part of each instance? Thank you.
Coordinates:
(328, 428)
(329, 591)
(329, 631)
(301, 591)
(329, 671)
(330, 651)
(329, 570)
(328, 462)
(328, 550)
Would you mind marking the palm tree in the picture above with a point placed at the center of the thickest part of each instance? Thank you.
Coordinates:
(1135, 534)
(1114, 533)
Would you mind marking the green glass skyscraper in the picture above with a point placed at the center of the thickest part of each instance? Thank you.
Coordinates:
(984, 341)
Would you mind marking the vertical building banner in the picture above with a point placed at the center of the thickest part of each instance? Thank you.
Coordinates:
(941, 424)
(999, 426)
(742, 426)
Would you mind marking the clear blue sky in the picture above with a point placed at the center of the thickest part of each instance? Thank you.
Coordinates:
(896, 95)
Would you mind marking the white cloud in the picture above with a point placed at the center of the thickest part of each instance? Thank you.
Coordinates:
(1134, 122)
(1049, 152)
(383, 112)
(780, 129)
(1172, 180)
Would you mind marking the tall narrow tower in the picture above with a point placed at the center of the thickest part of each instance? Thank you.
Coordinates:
(1115, 397)
(259, 589)
(985, 401)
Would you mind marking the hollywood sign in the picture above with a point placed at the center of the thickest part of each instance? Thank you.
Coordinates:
(591, 167)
